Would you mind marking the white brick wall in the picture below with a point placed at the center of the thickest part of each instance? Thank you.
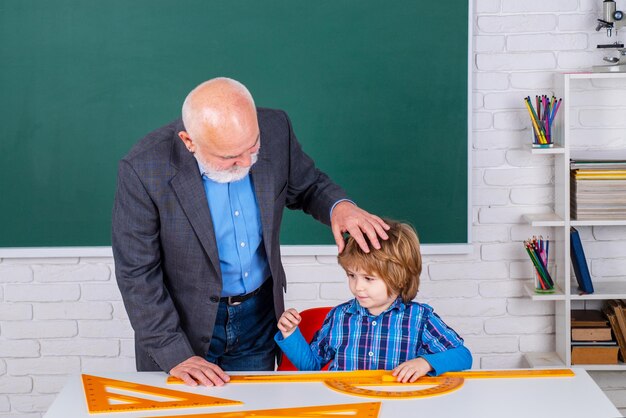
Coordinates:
(64, 315)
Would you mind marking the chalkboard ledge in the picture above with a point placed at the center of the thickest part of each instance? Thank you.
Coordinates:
(427, 249)
(286, 250)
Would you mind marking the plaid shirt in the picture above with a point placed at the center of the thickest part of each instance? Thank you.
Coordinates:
(353, 339)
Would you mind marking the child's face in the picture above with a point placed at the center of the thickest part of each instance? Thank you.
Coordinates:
(369, 290)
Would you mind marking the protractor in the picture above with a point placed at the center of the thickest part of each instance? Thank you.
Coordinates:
(442, 386)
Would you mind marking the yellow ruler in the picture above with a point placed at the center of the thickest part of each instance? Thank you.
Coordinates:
(355, 410)
(101, 401)
(352, 382)
(385, 376)
(512, 374)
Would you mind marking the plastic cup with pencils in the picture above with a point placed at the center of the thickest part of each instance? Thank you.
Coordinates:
(540, 140)
(538, 250)
(542, 115)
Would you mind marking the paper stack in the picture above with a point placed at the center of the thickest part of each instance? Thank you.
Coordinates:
(598, 189)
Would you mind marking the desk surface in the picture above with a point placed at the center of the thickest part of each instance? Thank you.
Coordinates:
(576, 396)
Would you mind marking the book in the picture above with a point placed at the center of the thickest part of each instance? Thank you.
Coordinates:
(592, 334)
(579, 263)
(619, 309)
(601, 164)
(588, 318)
(594, 354)
(621, 338)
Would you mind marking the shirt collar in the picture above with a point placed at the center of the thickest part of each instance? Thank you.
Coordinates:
(355, 308)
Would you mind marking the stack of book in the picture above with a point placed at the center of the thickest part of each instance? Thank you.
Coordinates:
(598, 189)
(592, 342)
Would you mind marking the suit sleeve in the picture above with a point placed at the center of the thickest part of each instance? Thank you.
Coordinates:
(309, 189)
(136, 250)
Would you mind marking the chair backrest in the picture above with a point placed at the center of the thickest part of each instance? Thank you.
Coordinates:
(312, 320)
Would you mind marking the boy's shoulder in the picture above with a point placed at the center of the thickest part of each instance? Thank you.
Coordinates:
(343, 307)
(347, 308)
(417, 307)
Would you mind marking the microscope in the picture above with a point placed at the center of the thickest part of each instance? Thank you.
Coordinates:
(612, 20)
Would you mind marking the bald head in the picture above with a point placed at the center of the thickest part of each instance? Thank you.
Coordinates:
(220, 104)
(221, 126)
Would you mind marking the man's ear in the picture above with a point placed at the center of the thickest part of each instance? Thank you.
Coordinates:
(184, 136)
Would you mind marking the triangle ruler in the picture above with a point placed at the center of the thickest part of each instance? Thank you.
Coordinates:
(99, 398)
(354, 410)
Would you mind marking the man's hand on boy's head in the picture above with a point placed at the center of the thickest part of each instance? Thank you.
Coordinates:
(411, 370)
(288, 322)
(348, 217)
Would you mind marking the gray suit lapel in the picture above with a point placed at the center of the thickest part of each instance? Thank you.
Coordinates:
(263, 181)
(187, 185)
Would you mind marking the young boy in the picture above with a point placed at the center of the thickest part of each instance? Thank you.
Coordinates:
(381, 328)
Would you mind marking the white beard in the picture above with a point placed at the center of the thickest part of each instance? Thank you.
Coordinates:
(232, 174)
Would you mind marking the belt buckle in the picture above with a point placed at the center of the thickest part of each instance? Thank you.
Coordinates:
(231, 303)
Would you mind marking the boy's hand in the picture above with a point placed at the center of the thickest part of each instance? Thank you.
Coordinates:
(288, 322)
(411, 370)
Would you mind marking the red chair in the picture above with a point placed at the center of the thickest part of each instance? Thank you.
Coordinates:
(312, 320)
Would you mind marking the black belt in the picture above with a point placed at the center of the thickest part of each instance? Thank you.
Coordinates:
(239, 299)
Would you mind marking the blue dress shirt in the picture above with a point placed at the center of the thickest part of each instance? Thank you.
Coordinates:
(238, 233)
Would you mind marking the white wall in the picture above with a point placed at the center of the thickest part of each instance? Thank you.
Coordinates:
(65, 316)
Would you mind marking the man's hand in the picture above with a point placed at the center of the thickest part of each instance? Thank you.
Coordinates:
(196, 370)
(347, 217)
(411, 370)
(288, 322)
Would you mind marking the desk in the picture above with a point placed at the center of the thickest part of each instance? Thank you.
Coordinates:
(575, 396)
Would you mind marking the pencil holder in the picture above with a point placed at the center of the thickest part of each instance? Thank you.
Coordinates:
(542, 114)
(545, 141)
(538, 252)
(539, 287)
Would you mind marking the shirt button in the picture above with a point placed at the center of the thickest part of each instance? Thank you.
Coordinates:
(236, 213)
(245, 274)
(243, 244)
(373, 323)
(371, 353)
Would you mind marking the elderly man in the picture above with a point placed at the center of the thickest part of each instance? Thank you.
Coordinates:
(196, 225)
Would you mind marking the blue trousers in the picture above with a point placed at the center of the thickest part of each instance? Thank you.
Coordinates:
(243, 336)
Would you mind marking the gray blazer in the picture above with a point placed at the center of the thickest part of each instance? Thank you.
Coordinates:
(166, 261)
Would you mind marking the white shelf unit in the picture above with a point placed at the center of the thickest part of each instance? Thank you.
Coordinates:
(560, 222)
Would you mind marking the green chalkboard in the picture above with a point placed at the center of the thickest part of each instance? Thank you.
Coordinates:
(377, 92)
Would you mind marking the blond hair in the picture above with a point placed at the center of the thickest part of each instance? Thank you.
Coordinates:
(398, 262)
